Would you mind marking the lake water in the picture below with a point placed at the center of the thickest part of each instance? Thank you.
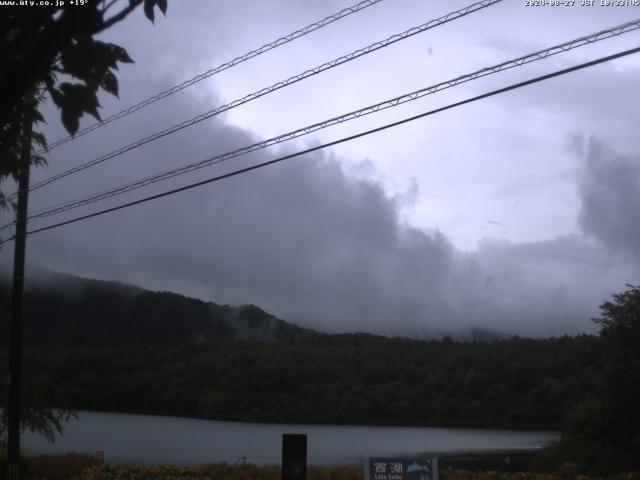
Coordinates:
(150, 439)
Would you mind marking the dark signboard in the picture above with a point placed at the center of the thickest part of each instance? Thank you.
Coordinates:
(403, 469)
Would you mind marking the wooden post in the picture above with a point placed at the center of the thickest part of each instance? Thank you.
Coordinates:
(294, 456)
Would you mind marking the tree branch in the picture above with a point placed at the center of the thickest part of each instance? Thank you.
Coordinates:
(38, 59)
(121, 15)
(109, 5)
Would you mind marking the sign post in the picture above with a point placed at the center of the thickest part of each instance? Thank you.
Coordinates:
(294, 456)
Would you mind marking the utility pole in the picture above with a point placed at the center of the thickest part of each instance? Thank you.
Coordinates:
(15, 329)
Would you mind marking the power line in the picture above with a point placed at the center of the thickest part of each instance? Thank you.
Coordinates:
(220, 68)
(276, 86)
(342, 140)
(408, 97)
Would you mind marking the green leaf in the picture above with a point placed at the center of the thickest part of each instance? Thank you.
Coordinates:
(81, 97)
(110, 83)
(39, 139)
(89, 60)
(37, 117)
(74, 100)
(38, 160)
(121, 54)
(70, 120)
(148, 9)
(56, 96)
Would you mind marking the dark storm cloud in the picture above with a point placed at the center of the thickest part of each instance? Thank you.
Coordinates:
(302, 240)
(314, 245)
(610, 193)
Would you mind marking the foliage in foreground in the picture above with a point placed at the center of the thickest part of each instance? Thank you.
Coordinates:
(602, 432)
(51, 52)
(222, 471)
(73, 466)
(76, 466)
(67, 466)
(170, 472)
(37, 395)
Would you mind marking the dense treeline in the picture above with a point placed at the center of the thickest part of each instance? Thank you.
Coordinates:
(517, 383)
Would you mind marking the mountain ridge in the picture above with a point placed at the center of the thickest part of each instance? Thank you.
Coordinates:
(63, 311)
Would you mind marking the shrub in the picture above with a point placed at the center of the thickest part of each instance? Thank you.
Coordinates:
(68, 466)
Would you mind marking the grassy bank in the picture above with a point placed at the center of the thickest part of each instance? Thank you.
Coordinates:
(74, 466)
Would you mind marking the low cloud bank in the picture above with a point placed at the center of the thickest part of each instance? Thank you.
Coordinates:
(310, 243)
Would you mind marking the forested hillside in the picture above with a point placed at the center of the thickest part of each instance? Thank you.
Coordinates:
(113, 347)
(63, 311)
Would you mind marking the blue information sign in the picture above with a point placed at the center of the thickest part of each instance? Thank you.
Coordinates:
(403, 469)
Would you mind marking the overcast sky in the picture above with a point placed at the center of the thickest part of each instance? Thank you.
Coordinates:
(517, 213)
